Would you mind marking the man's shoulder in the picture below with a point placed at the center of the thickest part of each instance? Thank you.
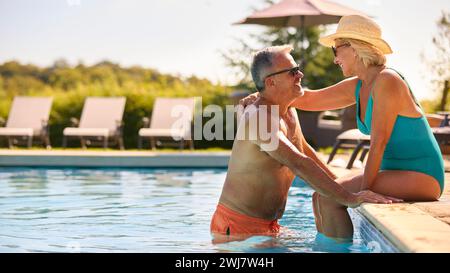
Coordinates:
(293, 111)
(259, 112)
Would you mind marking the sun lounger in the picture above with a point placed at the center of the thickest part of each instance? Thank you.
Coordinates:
(167, 124)
(101, 120)
(28, 120)
(351, 139)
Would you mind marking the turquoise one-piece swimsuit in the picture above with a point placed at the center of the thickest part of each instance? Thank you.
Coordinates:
(411, 147)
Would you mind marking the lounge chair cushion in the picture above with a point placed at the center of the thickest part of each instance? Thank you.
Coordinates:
(73, 131)
(441, 130)
(148, 132)
(16, 131)
(353, 134)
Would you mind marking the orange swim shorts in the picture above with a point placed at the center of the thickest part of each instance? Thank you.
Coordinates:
(229, 222)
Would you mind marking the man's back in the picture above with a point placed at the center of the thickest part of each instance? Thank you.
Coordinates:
(256, 183)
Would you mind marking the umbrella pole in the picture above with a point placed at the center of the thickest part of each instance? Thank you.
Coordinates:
(302, 41)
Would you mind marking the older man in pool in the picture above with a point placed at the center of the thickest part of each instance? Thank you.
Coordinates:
(261, 169)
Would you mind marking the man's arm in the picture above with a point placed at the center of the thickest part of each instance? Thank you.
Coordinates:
(311, 153)
(306, 168)
(303, 166)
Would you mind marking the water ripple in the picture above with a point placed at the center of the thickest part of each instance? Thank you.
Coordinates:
(139, 210)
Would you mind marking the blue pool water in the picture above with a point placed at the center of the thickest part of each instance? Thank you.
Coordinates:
(137, 210)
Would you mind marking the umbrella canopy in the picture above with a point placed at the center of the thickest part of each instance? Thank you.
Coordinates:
(300, 13)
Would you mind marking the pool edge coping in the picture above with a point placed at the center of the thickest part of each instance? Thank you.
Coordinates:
(373, 238)
(408, 228)
(113, 159)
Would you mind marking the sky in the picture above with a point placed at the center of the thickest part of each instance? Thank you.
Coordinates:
(186, 37)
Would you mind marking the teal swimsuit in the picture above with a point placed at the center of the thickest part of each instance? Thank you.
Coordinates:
(411, 147)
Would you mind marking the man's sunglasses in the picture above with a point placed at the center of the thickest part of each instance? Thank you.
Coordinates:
(291, 71)
(335, 48)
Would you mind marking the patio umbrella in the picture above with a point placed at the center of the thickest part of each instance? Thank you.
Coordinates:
(300, 14)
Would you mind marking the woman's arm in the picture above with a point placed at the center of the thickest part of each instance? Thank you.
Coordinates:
(333, 97)
(386, 97)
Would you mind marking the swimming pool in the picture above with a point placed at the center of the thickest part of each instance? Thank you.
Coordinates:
(138, 210)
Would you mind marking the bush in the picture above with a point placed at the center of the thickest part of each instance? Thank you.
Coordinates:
(69, 86)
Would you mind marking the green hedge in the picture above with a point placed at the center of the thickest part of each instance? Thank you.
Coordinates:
(69, 86)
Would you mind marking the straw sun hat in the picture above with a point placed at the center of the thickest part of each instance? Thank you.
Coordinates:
(359, 28)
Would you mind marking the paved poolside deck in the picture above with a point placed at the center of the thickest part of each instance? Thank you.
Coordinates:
(411, 227)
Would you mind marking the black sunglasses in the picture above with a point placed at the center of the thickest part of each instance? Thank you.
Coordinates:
(335, 48)
(291, 71)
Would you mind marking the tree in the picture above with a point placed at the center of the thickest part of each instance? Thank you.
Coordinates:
(440, 63)
(320, 71)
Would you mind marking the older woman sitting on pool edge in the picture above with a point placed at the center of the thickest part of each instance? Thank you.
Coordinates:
(404, 159)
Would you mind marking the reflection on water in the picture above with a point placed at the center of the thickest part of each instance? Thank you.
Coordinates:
(137, 210)
(33, 180)
(258, 244)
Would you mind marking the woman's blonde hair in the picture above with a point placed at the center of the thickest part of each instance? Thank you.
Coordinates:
(367, 53)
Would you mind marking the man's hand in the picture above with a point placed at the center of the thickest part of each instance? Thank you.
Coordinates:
(250, 99)
(371, 197)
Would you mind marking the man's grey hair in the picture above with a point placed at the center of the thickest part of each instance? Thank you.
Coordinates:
(263, 62)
